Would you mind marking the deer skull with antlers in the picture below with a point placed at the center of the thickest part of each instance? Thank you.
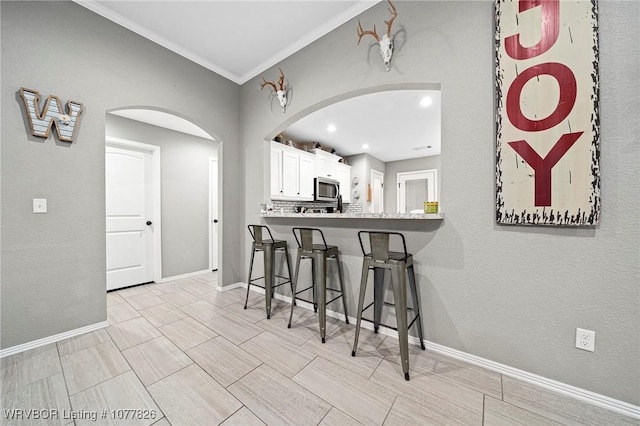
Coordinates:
(386, 42)
(281, 93)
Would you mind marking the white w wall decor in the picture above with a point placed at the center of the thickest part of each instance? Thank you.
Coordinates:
(547, 133)
(53, 114)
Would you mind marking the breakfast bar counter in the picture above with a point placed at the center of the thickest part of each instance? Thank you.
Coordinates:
(383, 216)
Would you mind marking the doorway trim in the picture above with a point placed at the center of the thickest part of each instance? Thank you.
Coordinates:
(377, 174)
(214, 201)
(431, 175)
(156, 194)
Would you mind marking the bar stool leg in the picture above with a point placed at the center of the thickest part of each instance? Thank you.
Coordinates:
(253, 252)
(314, 284)
(321, 282)
(295, 285)
(269, 263)
(416, 303)
(399, 283)
(378, 297)
(340, 277)
(288, 260)
(363, 289)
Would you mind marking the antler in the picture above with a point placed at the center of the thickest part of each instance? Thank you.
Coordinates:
(268, 83)
(374, 33)
(272, 84)
(362, 33)
(394, 14)
(281, 80)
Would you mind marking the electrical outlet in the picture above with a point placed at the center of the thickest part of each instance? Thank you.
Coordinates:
(585, 339)
(39, 205)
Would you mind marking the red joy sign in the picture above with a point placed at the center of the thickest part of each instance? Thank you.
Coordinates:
(547, 157)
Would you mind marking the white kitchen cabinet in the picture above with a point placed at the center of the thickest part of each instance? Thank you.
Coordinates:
(292, 173)
(307, 174)
(343, 175)
(326, 164)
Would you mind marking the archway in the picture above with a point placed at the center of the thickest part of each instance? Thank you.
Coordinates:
(187, 210)
(391, 128)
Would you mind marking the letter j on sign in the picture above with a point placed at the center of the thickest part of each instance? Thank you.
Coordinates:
(548, 125)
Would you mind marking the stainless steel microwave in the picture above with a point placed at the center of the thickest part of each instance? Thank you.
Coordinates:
(326, 189)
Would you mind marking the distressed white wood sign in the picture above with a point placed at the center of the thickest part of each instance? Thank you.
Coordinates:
(53, 114)
(548, 127)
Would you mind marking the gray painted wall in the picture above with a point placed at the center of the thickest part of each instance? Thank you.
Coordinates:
(359, 169)
(513, 295)
(185, 192)
(391, 177)
(53, 265)
(362, 165)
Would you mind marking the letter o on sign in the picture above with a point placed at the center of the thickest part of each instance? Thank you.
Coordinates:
(568, 87)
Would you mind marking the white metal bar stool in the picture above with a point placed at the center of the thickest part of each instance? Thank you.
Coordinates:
(400, 264)
(268, 247)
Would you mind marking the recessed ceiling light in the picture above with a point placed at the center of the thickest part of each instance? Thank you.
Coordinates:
(426, 101)
(365, 146)
(331, 128)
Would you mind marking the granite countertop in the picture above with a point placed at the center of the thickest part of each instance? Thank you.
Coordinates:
(396, 216)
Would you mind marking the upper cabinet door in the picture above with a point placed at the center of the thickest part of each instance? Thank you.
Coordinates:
(343, 175)
(290, 174)
(276, 171)
(326, 164)
(307, 173)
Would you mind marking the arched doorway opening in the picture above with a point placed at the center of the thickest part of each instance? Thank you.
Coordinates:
(380, 132)
(174, 165)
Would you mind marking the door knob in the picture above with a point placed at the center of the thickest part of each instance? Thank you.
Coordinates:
(215, 220)
(149, 222)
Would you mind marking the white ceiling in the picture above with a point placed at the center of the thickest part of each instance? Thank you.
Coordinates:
(240, 39)
(393, 124)
(236, 39)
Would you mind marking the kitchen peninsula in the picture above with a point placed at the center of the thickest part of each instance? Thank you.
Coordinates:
(382, 216)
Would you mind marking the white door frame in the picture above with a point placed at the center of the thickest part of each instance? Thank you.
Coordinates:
(214, 212)
(431, 175)
(377, 173)
(157, 200)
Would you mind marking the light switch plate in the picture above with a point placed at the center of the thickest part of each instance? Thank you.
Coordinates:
(39, 205)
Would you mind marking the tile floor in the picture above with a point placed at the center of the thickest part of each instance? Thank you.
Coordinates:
(182, 353)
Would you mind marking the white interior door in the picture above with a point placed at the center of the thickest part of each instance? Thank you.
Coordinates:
(129, 217)
(377, 197)
(213, 213)
(414, 188)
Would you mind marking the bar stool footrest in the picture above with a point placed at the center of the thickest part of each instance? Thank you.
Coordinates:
(335, 298)
(305, 300)
(304, 289)
(251, 282)
(390, 326)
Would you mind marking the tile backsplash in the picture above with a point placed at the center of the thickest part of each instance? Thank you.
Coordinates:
(289, 206)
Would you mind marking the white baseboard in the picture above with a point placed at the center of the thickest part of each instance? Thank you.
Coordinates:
(534, 379)
(52, 339)
(543, 382)
(231, 286)
(189, 275)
